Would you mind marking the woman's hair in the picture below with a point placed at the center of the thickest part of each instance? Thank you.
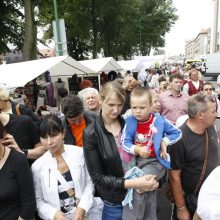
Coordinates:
(112, 87)
(2, 130)
(140, 91)
(51, 126)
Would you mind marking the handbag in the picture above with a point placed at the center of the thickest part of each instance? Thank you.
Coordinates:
(192, 198)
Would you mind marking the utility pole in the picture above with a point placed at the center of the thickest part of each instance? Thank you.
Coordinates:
(59, 43)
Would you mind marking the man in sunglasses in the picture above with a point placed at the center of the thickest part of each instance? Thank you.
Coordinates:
(75, 119)
(209, 90)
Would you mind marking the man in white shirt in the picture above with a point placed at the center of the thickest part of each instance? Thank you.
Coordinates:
(209, 197)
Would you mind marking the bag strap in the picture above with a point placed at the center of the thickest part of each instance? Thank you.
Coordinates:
(17, 107)
(204, 164)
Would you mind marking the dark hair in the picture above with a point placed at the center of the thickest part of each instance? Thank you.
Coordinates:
(175, 76)
(162, 79)
(72, 106)
(2, 130)
(207, 84)
(51, 126)
(62, 92)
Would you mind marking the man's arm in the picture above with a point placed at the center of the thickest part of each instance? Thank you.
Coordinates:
(177, 190)
(36, 152)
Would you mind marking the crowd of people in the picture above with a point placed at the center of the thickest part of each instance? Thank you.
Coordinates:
(105, 156)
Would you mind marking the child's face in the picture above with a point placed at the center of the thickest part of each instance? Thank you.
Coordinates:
(140, 107)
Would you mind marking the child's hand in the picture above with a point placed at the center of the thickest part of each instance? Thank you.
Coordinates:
(142, 151)
(163, 150)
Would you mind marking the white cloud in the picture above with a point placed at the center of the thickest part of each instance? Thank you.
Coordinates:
(194, 15)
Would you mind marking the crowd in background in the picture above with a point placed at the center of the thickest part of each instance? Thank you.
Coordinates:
(108, 150)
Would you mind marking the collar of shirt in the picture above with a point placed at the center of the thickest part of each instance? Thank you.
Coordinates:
(171, 94)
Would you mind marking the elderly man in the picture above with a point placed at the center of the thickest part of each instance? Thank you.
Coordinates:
(194, 156)
(173, 102)
(90, 98)
(75, 119)
(195, 85)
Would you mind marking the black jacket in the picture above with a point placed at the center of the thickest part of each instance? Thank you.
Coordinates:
(69, 138)
(103, 161)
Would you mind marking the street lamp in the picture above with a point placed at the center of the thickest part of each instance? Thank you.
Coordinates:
(59, 43)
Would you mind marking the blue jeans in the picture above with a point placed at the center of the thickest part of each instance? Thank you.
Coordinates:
(112, 211)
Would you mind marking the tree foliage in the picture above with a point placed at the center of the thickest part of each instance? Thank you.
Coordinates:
(11, 26)
(118, 28)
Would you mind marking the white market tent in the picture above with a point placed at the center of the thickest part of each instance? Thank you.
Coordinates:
(106, 64)
(150, 61)
(18, 74)
(132, 65)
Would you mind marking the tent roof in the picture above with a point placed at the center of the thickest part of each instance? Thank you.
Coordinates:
(133, 65)
(18, 74)
(103, 64)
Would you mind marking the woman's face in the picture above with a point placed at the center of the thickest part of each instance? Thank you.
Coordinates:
(53, 144)
(111, 106)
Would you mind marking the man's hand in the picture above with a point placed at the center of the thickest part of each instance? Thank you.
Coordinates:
(79, 214)
(183, 214)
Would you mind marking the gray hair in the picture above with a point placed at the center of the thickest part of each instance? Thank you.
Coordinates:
(198, 103)
(82, 94)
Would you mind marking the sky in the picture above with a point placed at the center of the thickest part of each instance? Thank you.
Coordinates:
(194, 15)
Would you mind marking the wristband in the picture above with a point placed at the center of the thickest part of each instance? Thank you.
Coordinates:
(181, 208)
(25, 152)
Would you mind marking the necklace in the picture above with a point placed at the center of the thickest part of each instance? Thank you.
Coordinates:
(3, 154)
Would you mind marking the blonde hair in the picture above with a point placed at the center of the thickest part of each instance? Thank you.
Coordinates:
(4, 94)
(141, 91)
(112, 87)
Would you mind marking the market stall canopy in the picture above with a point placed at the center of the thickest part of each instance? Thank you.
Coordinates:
(132, 65)
(18, 74)
(106, 64)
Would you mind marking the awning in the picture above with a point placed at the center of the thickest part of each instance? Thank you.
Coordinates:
(18, 74)
(132, 65)
(106, 64)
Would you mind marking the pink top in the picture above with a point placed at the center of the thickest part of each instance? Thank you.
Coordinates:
(172, 107)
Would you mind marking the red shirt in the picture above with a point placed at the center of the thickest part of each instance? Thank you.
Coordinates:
(143, 133)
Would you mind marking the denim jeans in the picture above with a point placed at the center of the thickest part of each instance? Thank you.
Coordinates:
(112, 211)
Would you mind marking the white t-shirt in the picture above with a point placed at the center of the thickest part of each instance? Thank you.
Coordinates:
(209, 197)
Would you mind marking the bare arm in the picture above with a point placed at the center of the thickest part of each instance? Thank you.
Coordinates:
(177, 190)
(36, 152)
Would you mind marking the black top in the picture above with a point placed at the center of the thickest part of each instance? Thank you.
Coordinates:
(23, 130)
(17, 196)
(103, 161)
(188, 155)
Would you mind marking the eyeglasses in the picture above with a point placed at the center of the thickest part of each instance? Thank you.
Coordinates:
(208, 89)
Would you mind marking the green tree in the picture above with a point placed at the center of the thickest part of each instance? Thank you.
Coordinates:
(11, 26)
